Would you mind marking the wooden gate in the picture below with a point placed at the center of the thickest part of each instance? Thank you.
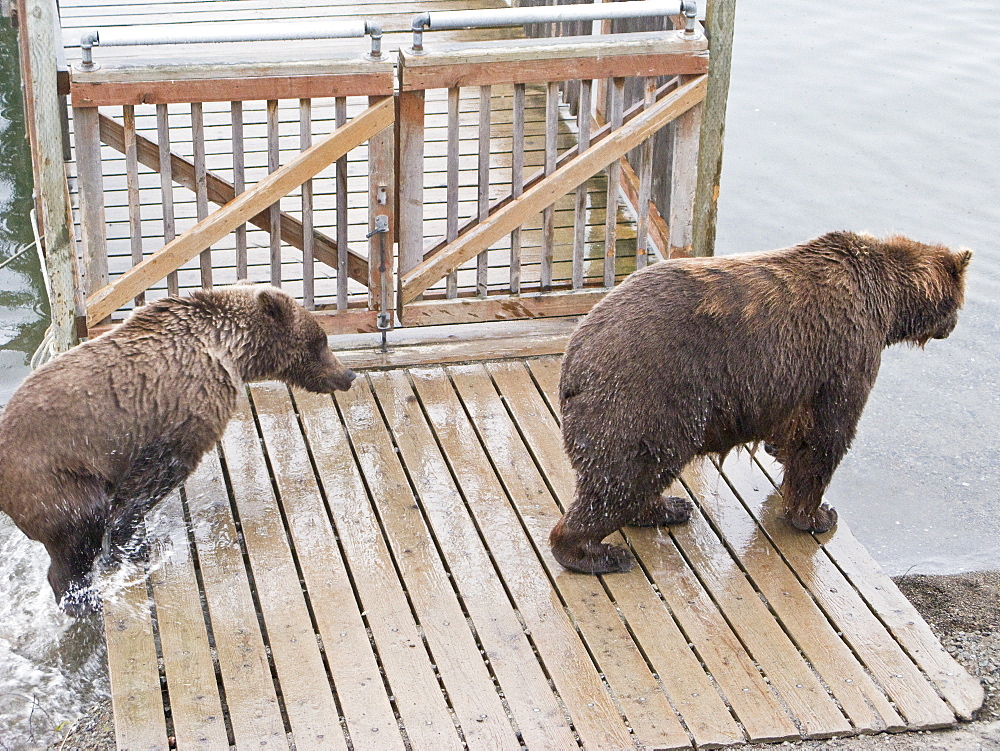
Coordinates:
(516, 182)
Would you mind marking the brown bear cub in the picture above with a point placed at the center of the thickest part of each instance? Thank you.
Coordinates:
(697, 356)
(92, 440)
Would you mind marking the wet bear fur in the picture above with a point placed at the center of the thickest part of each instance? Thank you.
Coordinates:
(697, 356)
(93, 439)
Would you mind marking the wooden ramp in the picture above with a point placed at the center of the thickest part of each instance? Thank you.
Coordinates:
(371, 571)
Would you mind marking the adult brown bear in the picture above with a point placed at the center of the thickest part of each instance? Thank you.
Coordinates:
(698, 356)
(92, 440)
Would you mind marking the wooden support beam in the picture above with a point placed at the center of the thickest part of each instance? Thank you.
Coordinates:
(540, 60)
(551, 189)
(719, 24)
(45, 127)
(222, 192)
(304, 166)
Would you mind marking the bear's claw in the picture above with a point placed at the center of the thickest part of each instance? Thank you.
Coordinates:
(823, 519)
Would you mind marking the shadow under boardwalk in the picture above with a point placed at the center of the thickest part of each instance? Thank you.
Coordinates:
(372, 571)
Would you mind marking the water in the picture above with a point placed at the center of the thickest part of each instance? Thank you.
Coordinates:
(880, 117)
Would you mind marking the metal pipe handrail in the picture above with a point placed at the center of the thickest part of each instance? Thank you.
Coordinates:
(137, 36)
(481, 19)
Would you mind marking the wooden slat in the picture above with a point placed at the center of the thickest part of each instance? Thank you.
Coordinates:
(251, 701)
(962, 692)
(341, 626)
(222, 192)
(645, 185)
(517, 184)
(135, 678)
(132, 180)
(623, 666)
(482, 260)
(755, 706)
(195, 704)
(90, 183)
(166, 184)
(410, 174)
(502, 307)
(474, 698)
(551, 138)
(248, 204)
(274, 210)
(86, 93)
(408, 670)
(239, 185)
(201, 185)
(381, 202)
(307, 697)
(594, 716)
(863, 702)
(913, 697)
(546, 192)
(342, 259)
(525, 687)
(616, 113)
(584, 118)
(684, 182)
(451, 231)
(542, 60)
(308, 273)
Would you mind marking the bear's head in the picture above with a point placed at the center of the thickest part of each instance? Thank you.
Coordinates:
(292, 347)
(932, 289)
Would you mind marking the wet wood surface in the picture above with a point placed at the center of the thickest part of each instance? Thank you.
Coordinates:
(371, 570)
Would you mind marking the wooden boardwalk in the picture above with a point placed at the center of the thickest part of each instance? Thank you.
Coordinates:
(372, 571)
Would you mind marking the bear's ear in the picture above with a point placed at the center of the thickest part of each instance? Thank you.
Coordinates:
(960, 261)
(274, 305)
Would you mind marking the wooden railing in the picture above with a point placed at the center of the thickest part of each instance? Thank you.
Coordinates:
(480, 267)
(544, 216)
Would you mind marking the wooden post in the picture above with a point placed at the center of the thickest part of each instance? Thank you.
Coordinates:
(410, 176)
(381, 201)
(719, 23)
(39, 27)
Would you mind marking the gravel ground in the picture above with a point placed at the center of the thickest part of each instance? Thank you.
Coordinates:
(963, 610)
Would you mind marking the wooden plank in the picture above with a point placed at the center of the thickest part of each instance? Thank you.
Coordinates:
(687, 685)
(546, 192)
(720, 22)
(44, 113)
(274, 210)
(542, 60)
(594, 716)
(340, 107)
(482, 260)
(341, 626)
(616, 115)
(195, 704)
(308, 273)
(132, 181)
(381, 202)
(410, 175)
(251, 701)
(759, 711)
(451, 230)
(894, 670)
(584, 117)
(517, 184)
(551, 137)
(200, 187)
(863, 702)
(502, 307)
(409, 673)
(90, 184)
(250, 203)
(104, 93)
(135, 677)
(307, 697)
(166, 184)
(640, 696)
(239, 185)
(222, 192)
(963, 692)
(526, 691)
(474, 698)
(684, 183)
(645, 185)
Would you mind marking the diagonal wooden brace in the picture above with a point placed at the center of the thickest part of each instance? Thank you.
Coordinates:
(222, 192)
(546, 192)
(213, 228)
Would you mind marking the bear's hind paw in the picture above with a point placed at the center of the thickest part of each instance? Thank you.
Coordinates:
(823, 519)
(595, 558)
(662, 511)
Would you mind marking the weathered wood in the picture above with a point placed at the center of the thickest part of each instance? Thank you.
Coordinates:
(248, 204)
(381, 202)
(222, 192)
(615, 119)
(195, 704)
(684, 182)
(87, 93)
(201, 186)
(135, 680)
(645, 186)
(308, 273)
(251, 700)
(584, 117)
(308, 699)
(340, 624)
(90, 184)
(544, 60)
(44, 119)
(451, 231)
(340, 107)
(239, 185)
(274, 210)
(720, 22)
(543, 194)
(418, 699)
(132, 179)
(548, 225)
(502, 307)
(410, 172)
(166, 184)
(482, 260)
(517, 184)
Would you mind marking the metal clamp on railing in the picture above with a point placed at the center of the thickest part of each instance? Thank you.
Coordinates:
(481, 19)
(133, 36)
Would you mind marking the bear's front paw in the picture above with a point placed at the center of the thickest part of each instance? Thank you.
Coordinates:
(823, 519)
(594, 558)
(662, 511)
